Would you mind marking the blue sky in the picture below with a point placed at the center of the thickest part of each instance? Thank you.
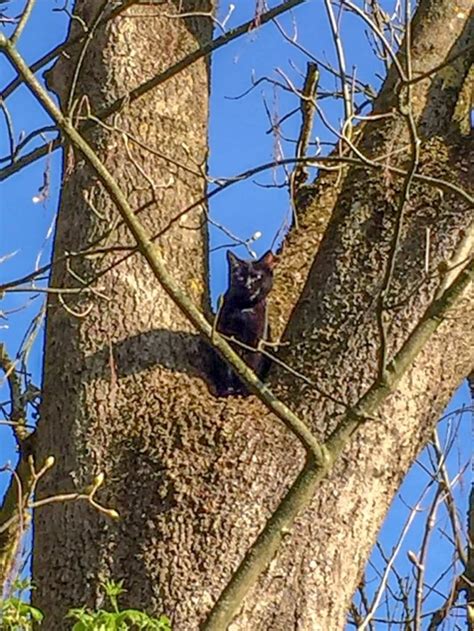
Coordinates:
(238, 141)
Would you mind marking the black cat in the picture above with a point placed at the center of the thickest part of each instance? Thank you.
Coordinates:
(243, 315)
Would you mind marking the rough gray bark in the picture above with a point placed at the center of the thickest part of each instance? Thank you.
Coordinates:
(194, 478)
(113, 378)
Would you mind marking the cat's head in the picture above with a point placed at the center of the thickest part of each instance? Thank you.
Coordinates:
(251, 281)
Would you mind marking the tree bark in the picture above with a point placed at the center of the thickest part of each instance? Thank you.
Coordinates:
(120, 384)
(194, 477)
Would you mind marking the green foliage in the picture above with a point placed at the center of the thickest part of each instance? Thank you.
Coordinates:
(116, 620)
(18, 615)
(15, 613)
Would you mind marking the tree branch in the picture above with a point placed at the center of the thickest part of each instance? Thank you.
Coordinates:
(154, 82)
(396, 368)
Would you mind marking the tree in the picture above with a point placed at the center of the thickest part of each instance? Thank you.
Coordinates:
(371, 299)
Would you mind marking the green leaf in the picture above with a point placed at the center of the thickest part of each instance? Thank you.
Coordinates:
(36, 614)
(116, 620)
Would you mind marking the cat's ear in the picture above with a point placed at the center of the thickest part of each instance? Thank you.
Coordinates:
(269, 259)
(234, 261)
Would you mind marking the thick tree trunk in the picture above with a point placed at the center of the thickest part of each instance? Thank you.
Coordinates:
(194, 478)
(120, 384)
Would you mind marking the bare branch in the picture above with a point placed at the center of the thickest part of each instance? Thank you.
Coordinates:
(23, 21)
(141, 90)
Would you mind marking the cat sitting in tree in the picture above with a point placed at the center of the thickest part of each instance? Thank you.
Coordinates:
(243, 315)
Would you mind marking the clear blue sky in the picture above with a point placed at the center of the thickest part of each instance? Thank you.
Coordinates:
(238, 141)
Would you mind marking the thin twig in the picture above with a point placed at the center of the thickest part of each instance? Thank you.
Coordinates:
(299, 175)
(90, 32)
(388, 566)
(353, 7)
(23, 21)
(415, 144)
(449, 499)
(348, 109)
(10, 131)
(422, 557)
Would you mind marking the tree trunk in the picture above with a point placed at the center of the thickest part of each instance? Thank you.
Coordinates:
(194, 477)
(120, 384)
